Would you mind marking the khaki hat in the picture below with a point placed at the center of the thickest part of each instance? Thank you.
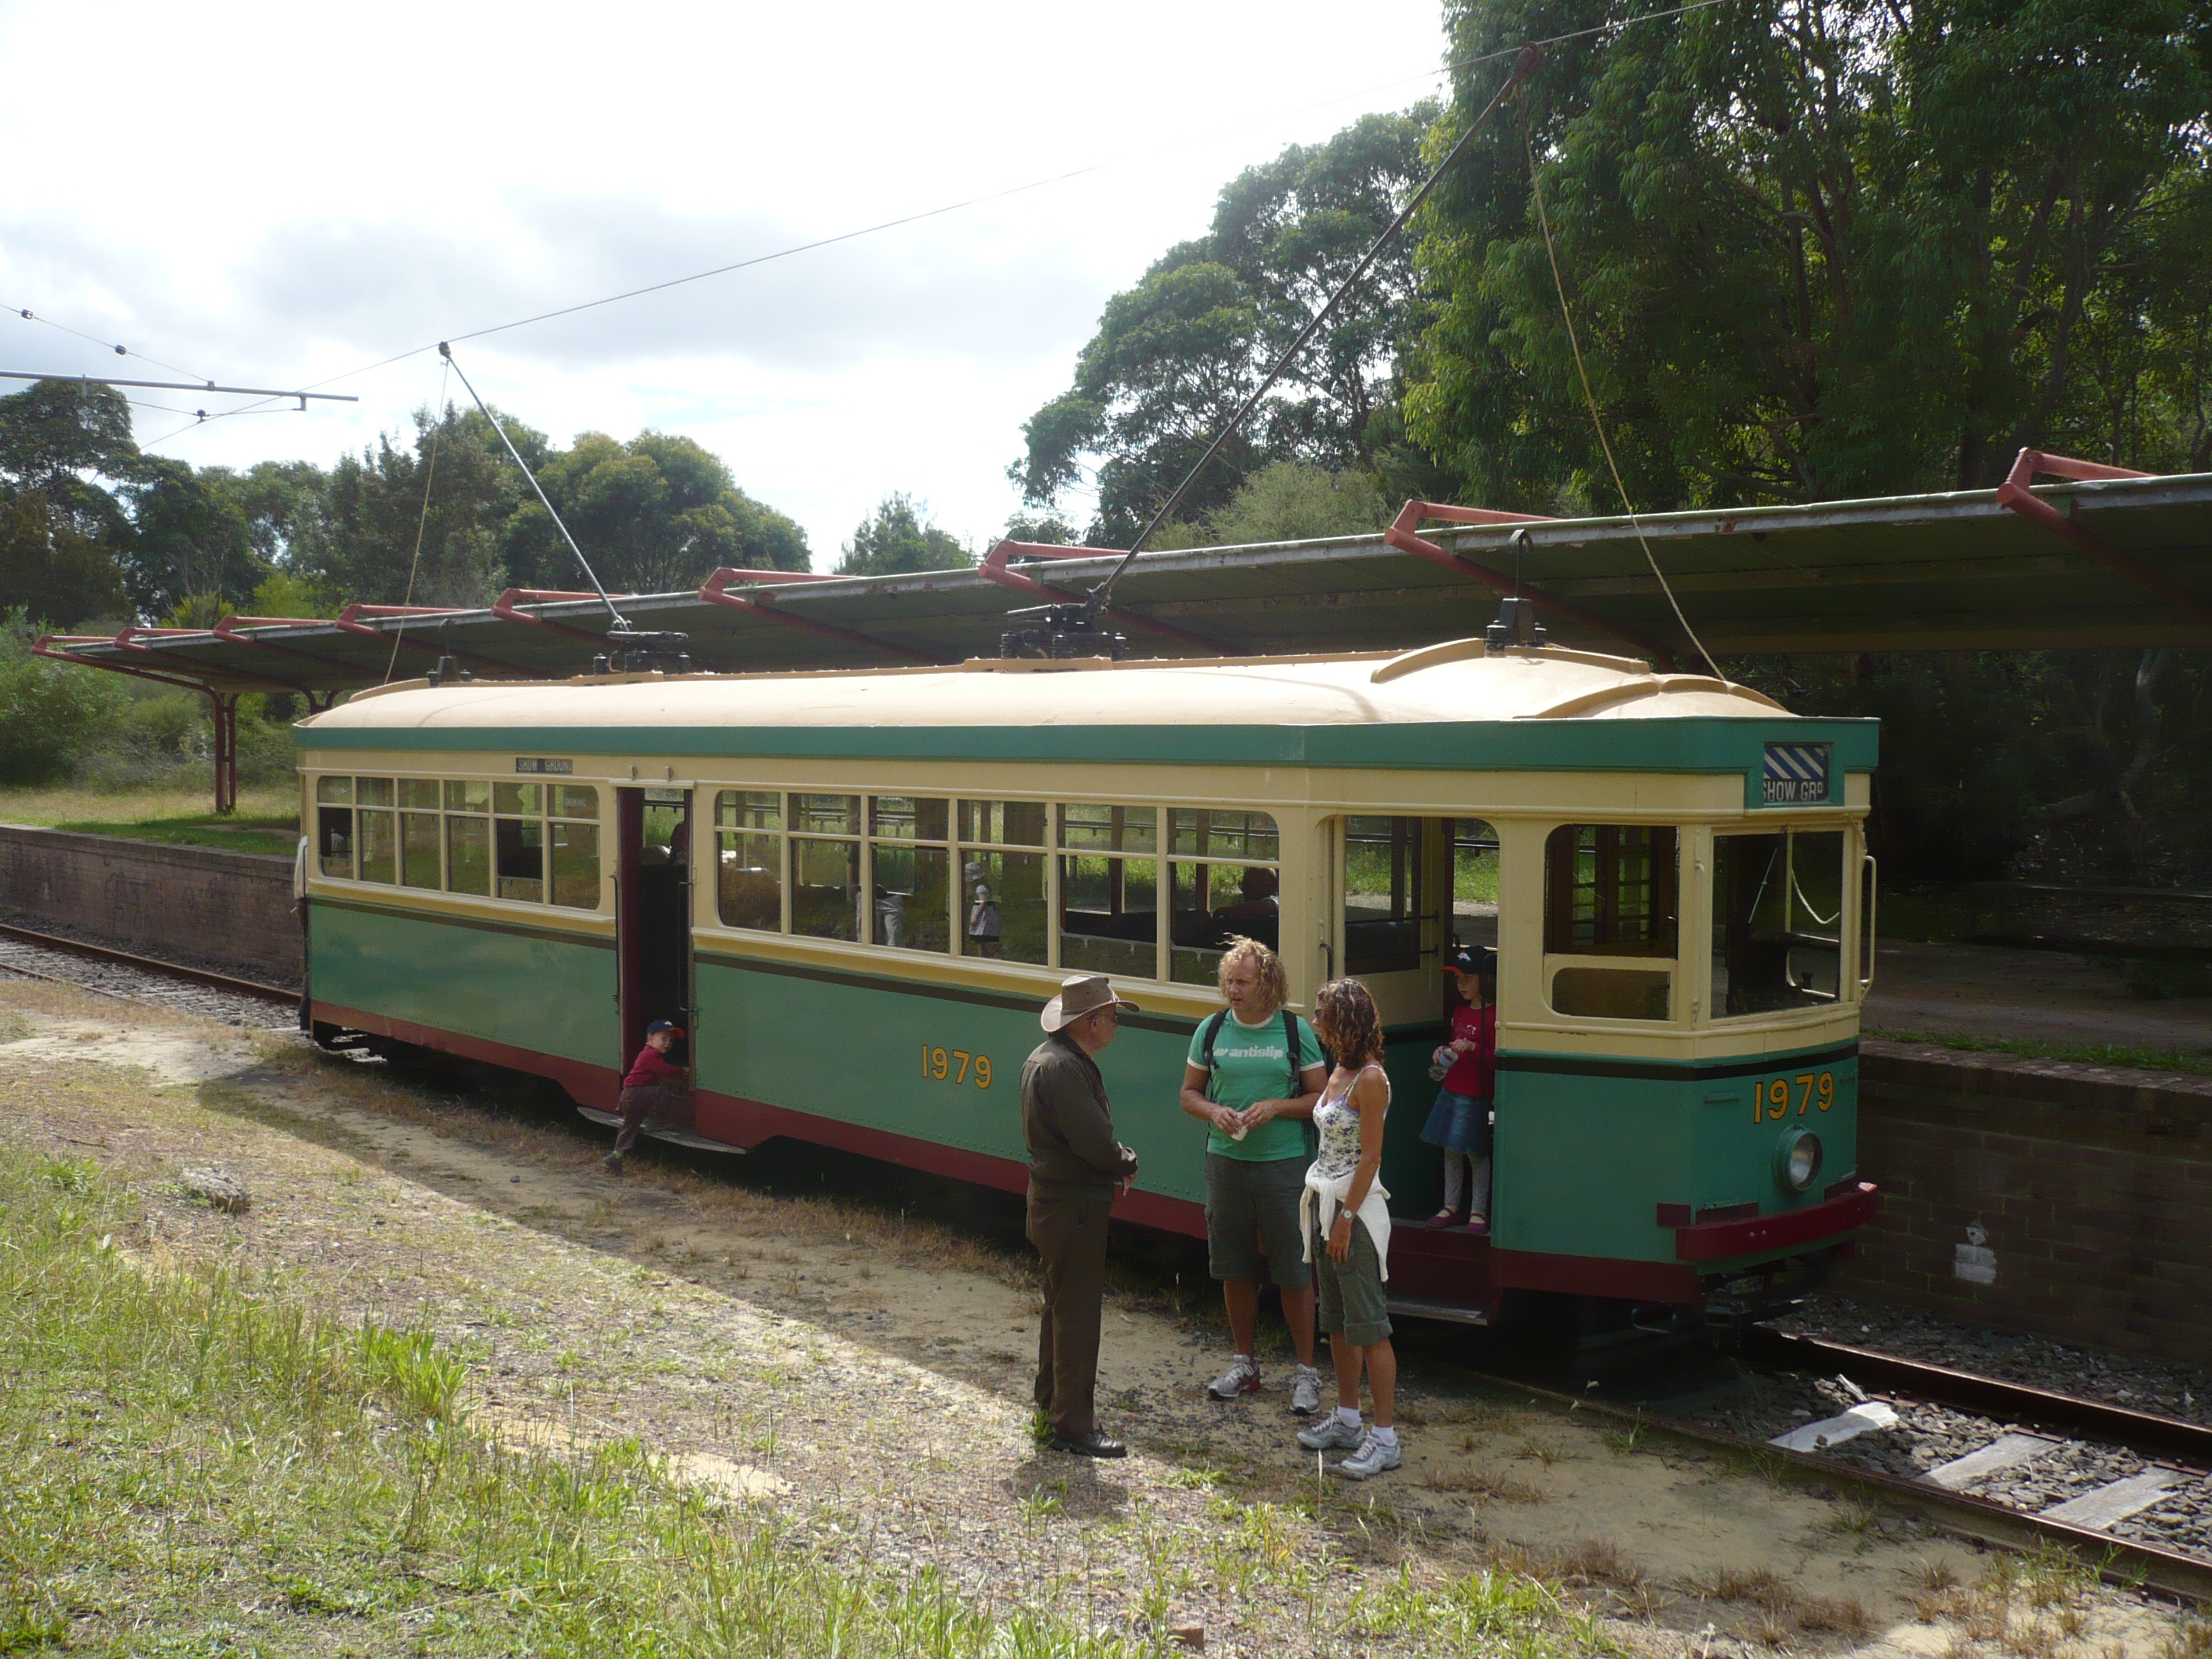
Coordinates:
(1080, 994)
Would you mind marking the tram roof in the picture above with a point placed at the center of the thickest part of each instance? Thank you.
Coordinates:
(1443, 705)
(2084, 563)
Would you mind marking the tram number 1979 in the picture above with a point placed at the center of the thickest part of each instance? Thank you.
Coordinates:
(956, 1066)
(1774, 1097)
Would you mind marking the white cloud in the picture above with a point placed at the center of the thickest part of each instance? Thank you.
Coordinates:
(274, 195)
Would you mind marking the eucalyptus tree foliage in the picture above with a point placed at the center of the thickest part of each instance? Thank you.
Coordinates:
(1823, 248)
(62, 446)
(1175, 356)
(899, 538)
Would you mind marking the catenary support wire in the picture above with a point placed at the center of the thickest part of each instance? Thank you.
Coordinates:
(1544, 223)
(421, 524)
(620, 623)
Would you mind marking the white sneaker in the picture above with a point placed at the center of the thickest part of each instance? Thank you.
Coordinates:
(1305, 1391)
(1242, 1377)
(1332, 1433)
(1372, 1458)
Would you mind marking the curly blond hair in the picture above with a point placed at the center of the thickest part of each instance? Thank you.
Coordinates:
(1344, 1017)
(1274, 983)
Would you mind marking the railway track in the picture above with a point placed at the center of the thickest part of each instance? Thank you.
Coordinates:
(105, 971)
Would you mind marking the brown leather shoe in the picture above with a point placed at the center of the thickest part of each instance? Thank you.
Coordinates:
(1097, 1443)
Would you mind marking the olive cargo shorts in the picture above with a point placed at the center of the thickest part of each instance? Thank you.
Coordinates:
(1353, 1304)
(1245, 1199)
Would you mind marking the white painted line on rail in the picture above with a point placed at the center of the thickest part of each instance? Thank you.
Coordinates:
(2109, 1505)
(1834, 1430)
(2005, 1452)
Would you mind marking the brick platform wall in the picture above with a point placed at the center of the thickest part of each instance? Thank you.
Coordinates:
(194, 904)
(2090, 1188)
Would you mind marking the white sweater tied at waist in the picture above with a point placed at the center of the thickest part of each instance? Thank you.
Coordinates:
(1330, 1192)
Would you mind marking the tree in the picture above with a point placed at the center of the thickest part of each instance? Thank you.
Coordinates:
(1818, 249)
(189, 536)
(1176, 354)
(374, 513)
(49, 711)
(1292, 500)
(60, 528)
(654, 515)
(897, 541)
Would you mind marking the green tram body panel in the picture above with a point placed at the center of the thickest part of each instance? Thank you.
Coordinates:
(530, 988)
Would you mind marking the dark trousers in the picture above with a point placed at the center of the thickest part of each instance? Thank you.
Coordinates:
(1068, 1227)
(638, 1104)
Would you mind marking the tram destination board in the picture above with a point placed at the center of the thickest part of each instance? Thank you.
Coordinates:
(540, 763)
(1797, 775)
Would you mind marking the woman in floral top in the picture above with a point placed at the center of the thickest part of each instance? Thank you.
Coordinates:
(1346, 1223)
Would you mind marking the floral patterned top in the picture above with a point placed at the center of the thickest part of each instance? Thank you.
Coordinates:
(1338, 1125)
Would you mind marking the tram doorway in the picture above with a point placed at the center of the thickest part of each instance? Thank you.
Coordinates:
(652, 915)
(1411, 890)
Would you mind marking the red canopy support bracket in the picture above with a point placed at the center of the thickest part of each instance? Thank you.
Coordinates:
(503, 608)
(2016, 493)
(714, 591)
(1404, 534)
(995, 568)
(350, 621)
(227, 630)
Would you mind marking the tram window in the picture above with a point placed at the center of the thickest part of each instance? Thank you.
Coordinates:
(1109, 913)
(913, 879)
(334, 835)
(1610, 890)
(518, 799)
(1382, 895)
(520, 847)
(421, 794)
(573, 801)
(1585, 991)
(1777, 920)
(418, 848)
(380, 846)
(825, 887)
(1474, 882)
(1002, 903)
(1089, 829)
(575, 849)
(1211, 904)
(1002, 823)
(334, 792)
(826, 814)
(468, 853)
(467, 795)
(373, 792)
(749, 858)
(1220, 833)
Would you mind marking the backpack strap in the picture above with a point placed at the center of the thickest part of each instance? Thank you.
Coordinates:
(1212, 1030)
(1290, 1047)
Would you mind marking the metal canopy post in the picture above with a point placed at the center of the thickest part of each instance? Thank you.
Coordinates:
(225, 705)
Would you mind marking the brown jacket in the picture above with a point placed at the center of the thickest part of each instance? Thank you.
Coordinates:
(1067, 1123)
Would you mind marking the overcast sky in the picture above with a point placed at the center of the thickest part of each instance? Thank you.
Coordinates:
(276, 196)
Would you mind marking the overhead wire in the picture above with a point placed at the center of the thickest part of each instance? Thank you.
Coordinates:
(30, 316)
(422, 523)
(1543, 220)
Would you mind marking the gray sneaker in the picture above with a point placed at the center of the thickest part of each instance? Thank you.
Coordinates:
(1305, 1391)
(1332, 1433)
(1242, 1377)
(1372, 1458)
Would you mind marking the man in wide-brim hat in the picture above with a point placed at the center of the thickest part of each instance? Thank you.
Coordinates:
(1075, 1166)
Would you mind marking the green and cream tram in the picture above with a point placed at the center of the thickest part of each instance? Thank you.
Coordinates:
(854, 889)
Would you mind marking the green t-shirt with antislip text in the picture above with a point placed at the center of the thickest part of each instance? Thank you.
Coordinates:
(1251, 1063)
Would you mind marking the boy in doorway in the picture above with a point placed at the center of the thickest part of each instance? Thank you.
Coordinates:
(648, 1088)
(1460, 1120)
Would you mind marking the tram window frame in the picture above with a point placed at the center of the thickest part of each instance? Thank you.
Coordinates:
(334, 827)
(573, 865)
(1762, 962)
(748, 824)
(1208, 847)
(1124, 843)
(1004, 847)
(518, 830)
(1627, 966)
(468, 836)
(916, 831)
(376, 831)
(811, 844)
(1399, 949)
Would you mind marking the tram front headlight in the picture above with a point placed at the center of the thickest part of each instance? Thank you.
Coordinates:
(1798, 1161)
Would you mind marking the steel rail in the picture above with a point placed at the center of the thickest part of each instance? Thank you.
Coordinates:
(148, 964)
(2146, 1432)
(2118, 1561)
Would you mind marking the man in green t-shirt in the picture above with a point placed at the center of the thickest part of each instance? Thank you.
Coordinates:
(1253, 1075)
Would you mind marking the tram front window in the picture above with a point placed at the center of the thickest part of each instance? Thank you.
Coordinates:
(1610, 920)
(1777, 921)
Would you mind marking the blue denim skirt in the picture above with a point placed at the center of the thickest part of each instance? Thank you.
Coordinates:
(1458, 1123)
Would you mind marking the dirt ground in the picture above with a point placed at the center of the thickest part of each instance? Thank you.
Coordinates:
(867, 1375)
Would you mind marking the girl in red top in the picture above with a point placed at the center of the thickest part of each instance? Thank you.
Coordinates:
(1460, 1120)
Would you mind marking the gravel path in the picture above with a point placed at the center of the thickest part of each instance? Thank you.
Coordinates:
(115, 979)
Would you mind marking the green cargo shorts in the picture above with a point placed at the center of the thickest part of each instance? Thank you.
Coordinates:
(1353, 1305)
(1250, 1206)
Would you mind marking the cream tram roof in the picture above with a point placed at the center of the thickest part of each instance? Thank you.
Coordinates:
(1449, 682)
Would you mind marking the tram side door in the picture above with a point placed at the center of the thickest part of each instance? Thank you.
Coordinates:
(653, 917)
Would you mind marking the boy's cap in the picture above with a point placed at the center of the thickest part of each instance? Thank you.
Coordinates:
(1477, 959)
(667, 1025)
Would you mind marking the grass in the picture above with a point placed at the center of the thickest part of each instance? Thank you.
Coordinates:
(267, 819)
(199, 1467)
(2197, 1063)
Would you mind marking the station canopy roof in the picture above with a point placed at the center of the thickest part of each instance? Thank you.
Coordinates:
(2091, 561)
